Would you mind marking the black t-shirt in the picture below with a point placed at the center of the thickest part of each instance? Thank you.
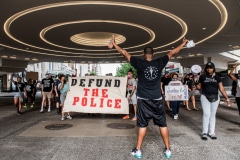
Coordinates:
(47, 84)
(190, 83)
(56, 83)
(165, 82)
(149, 76)
(29, 88)
(20, 85)
(209, 84)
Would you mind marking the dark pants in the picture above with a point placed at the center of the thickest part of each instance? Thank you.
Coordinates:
(175, 107)
(238, 102)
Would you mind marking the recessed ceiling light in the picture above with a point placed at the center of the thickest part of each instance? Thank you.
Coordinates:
(204, 28)
(179, 57)
(13, 57)
(4, 56)
(191, 55)
(27, 58)
(34, 59)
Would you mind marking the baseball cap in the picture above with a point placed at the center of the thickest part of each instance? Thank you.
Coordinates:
(210, 64)
(148, 50)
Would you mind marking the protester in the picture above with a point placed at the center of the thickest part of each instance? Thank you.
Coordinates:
(237, 80)
(132, 98)
(20, 94)
(191, 92)
(47, 89)
(209, 83)
(149, 102)
(34, 91)
(30, 92)
(64, 88)
(176, 103)
(57, 96)
(164, 82)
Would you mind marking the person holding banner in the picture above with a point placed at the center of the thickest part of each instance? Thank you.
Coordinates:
(20, 94)
(209, 83)
(131, 94)
(176, 103)
(237, 80)
(149, 98)
(64, 88)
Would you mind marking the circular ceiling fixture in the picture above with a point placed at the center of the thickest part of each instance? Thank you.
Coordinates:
(96, 38)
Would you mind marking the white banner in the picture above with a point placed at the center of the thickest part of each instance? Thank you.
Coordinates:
(97, 94)
(176, 93)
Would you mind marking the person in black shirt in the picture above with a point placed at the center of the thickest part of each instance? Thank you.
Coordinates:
(20, 94)
(191, 91)
(149, 102)
(164, 82)
(209, 84)
(47, 89)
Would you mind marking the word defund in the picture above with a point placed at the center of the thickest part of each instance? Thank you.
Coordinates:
(96, 82)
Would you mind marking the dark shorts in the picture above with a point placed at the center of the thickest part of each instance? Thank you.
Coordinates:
(150, 109)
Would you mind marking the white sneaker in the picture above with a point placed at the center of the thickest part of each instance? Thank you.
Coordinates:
(41, 111)
(49, 109)
(63, 118)
(69, 117)
(168, 153)
(175, 117)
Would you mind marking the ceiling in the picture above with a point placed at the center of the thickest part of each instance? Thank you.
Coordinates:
(79, 31)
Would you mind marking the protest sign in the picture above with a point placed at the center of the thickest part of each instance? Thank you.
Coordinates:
(97, 94)
(176, 93)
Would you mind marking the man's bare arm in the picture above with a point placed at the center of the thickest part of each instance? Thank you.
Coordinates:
(120, 50)
(177, 49)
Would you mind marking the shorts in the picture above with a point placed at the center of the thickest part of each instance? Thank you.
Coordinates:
(63, 97)
(150, 109)
(191, 93)
(133, 99)
(19, 95)
(47, 95)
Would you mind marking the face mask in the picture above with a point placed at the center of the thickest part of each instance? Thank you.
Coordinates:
(129, 76)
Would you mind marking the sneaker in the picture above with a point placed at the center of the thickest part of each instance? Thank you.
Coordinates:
(49, 110)
(204, 136)
(175, 117)
(63, 118)
(136, 153)
(19, 112)
(25, 106)
(42, 110)
(69, 117)
(213, 136)
(125, 117)
(168, 153)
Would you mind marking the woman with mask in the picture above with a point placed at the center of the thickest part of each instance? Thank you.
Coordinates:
(209, 84)
(175, 104)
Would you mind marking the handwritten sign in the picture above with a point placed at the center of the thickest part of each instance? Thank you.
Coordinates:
(97, 94)
(176, 93)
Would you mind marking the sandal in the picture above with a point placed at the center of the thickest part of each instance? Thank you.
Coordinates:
(188, 109)
(195, 109)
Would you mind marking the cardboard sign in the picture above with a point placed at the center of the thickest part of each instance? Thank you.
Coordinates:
(176, 93)
(97, 94)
